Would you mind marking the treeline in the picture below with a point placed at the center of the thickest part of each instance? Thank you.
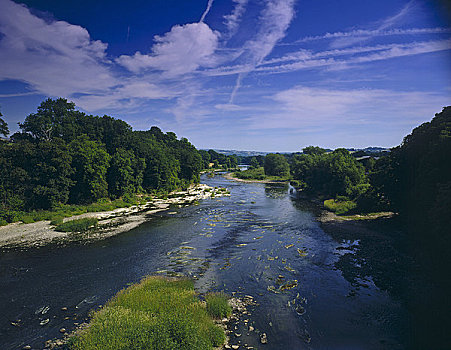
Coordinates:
(62, 155)
(413, 179)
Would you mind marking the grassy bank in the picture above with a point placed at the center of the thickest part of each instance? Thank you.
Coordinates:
(258, 174)
(157, 313)
(67, 210)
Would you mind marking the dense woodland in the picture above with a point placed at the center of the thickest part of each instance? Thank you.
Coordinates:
(413, 179)
(62, 155)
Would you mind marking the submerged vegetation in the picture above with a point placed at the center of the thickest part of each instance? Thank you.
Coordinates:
(158, 314)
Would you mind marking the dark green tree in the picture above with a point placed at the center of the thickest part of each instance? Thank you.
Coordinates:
(4, 130)
(276, 165)
(90, 162)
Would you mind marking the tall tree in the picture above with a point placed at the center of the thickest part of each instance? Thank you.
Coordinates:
(4, 130)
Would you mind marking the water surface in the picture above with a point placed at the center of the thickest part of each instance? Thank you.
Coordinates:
(261, 241)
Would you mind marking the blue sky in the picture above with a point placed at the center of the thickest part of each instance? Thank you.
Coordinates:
(274, 75)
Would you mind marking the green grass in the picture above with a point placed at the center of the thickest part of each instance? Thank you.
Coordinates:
(79, 225)
(218, 305)
(67, 210)
(258, 174)
(339, 207)
(158, 314)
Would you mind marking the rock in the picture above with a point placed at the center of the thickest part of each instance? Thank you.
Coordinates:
(263, 339)
(64, 308)
(63, 330)
(235, 346)
(44, 322)
(251, 329)
(300, 310)
(59, 342)
(27, 347)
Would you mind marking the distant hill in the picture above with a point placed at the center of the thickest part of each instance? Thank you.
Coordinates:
(367, 150)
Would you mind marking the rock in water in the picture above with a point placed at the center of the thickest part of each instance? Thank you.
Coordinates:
(263, 339)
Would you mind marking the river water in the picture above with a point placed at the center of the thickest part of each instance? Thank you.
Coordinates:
(262, 241)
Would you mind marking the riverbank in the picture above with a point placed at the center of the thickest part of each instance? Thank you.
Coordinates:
(111, 223)
(229, 176)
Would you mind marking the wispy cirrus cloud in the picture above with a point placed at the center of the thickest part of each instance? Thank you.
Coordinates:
(305, 59)
(360, 33)
(274, 22)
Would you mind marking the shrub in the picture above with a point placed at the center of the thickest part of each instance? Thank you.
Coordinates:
(79, 225)
(339, 207)
(218, 305)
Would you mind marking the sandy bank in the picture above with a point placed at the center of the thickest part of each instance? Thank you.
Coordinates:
(110, 222)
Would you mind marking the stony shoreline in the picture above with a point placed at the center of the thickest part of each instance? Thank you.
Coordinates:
(111, 223)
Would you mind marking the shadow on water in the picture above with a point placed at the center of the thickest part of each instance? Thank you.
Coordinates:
(316, 288)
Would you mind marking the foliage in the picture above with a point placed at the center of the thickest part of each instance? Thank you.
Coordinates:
(4, 130)
(330, 174)
(158, 314)
(219, 160)
(415, 178)
(339, 206)
(78, 225)
(276, 165)
(251, 174)
(63, 156)
(218, 305)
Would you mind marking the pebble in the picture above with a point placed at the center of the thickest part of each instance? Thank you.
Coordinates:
(235, 346)
(63, 330)
(64, 308)
(263, 339)
(251, 328)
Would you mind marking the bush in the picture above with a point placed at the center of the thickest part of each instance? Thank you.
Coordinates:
(218, 305)
(339, 207)
(79, 225)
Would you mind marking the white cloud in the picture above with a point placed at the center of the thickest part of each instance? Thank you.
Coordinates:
(381, 25)
(306, 59)
(55, 58)
(305, 107)
(210, 2)
(362, 33)
(274, 22)
(182, 50)
(232, 21)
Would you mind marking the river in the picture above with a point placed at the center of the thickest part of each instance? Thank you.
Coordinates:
(261, 241)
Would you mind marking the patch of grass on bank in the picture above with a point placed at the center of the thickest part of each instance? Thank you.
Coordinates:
(79, 225)
(339, 207)
(158, 313)
(258, 174)
(218, 305)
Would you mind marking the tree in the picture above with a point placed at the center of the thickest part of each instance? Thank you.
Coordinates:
(4, 130)
(48, 121)
(313, 150)
(254, 163)
(90, 162)
(276, 165)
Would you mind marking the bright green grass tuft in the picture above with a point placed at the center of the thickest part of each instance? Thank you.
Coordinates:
(339, 207)
(79, 225)
(218, 305)
(158, 314)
